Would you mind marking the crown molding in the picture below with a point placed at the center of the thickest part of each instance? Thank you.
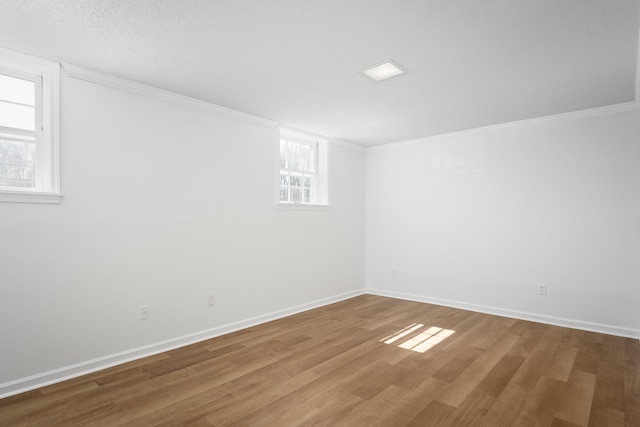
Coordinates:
(348, 145)
(24, 61)
(574, 115)
(334, 141)
(162, 95)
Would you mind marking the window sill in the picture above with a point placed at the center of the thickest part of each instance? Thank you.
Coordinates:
(302, 207)
(29, 197)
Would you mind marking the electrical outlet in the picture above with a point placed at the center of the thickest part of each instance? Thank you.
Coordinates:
(211, 299)
(542, 289)
(144, 312)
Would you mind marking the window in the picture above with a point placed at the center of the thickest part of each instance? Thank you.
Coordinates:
(298, 171)
(28, 129)
(19, 99)
(303, 169)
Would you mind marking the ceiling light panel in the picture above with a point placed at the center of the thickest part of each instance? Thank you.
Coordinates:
(383, 71)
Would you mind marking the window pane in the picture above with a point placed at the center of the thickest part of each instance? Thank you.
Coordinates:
(17, 90)
(284, 179)
(283, 162)
(304, 164)
(295, 181)
(17, 116)
(17, 163)
(284, 194)
(295, 149)
(307, 182)
(307, 196)
(296, 195)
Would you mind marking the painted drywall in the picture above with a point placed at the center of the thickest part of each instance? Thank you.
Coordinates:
(163, 204)
(479, 219)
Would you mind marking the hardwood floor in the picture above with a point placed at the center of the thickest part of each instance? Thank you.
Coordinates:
(367, 361)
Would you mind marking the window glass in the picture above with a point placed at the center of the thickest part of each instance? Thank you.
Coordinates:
(17, 163)
(303, 163)
(17, 103)
(297, 171)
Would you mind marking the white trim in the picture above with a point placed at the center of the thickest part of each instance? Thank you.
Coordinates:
(24, 62)
(29, 197)
(515, 314)
(163, 95)
(301, 207)
(51, 123)
(591, 112)
(310, 136)
(348, 145)
(638, 68)
(22, 385)
(302, 134)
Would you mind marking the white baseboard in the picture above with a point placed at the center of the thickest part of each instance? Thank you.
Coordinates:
(57, 375)
(540, 318)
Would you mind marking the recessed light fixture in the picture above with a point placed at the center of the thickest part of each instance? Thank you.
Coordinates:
(383, 70)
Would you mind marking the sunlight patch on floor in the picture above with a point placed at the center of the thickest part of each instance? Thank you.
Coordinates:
(421, 342)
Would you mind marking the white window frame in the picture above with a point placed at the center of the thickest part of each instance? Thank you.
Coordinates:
(46, 75)
(320, 177)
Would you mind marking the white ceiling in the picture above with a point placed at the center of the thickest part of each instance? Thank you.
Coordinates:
(471, 63)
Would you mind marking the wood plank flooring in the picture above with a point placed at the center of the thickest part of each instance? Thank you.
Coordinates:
(367, 361)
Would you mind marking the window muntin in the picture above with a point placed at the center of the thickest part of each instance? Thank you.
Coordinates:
(298, 171)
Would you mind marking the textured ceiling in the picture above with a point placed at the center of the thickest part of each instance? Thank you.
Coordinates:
(471, 63)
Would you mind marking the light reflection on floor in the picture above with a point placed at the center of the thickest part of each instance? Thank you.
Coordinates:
(421, 342)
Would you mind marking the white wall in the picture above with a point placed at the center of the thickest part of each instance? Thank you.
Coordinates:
(478, 219)
(162, 205)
